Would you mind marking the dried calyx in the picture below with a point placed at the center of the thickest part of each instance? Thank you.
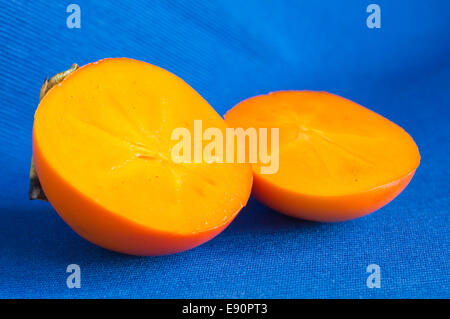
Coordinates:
(36, 191)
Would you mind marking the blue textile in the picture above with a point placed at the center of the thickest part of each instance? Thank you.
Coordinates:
(228, 51)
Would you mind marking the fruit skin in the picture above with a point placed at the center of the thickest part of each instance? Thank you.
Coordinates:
(327, 209)
(107, 229)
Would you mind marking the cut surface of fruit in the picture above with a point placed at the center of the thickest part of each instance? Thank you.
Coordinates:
(337, 159)
(102, 147)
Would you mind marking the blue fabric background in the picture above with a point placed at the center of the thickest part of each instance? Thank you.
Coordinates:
(228, 51)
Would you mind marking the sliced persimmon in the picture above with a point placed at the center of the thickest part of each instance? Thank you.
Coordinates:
(102, 149)
(337, 159)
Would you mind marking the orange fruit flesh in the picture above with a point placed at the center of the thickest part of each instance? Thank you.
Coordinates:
(103, 138)
(337, 159)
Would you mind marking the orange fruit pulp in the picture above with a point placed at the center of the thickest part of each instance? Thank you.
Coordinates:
(337, 159)
(102, 150)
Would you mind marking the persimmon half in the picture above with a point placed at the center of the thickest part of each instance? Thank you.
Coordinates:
(102, 151)
(337, 160)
